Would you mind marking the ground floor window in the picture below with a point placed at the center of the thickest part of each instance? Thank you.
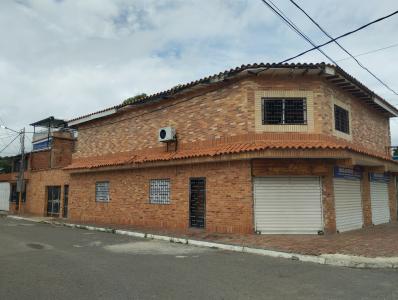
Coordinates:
(14, 195)
(102, 191)
(159, 191)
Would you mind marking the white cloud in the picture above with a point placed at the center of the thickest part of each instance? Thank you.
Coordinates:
(67, 58)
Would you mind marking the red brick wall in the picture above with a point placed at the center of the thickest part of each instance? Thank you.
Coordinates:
(40, 160)
(366, 199)
(369, 128)
(36, 196)
(60, 155)
(228, 197)
(62, 152)
(392, 194)
(225, 111)
(210, 114)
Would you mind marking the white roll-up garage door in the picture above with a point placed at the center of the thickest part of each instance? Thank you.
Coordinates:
(348, 204)
(4, 196)
(289, 205)
(379, 202)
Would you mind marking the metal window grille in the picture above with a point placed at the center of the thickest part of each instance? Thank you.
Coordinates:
(284, 111)
(159, 191)
(197, 202)
(341, 119)
(102, 191)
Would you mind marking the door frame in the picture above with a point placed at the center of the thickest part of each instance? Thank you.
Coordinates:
(47, 199)
(204, 200)
(65, 195)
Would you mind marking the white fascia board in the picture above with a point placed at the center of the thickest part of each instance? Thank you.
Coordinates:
(92, 117)
(329, 70)
(394, 112)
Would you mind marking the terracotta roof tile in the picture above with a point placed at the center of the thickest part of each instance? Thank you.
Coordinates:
(214, 148)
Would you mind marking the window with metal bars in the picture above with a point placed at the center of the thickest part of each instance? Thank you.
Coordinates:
(102, 191)
(14, 195)
(284, 111)
(159, 191)
(341, 119)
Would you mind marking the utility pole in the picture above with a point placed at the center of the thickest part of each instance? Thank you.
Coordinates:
(20, 182)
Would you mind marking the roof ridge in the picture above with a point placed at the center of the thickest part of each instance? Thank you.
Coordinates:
(232, 71)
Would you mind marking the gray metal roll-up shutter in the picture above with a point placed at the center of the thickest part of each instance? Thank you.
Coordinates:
(288, 205)
(379, 202)
(348, 204)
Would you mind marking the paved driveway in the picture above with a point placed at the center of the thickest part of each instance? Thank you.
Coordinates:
(40, 261)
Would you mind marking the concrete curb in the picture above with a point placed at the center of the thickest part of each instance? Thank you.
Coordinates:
(340, 260)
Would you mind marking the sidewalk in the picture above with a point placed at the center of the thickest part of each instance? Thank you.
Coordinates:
(371, 247)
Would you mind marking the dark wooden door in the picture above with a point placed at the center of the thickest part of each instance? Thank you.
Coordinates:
(66, 199)
(53, 200)
(197, 202)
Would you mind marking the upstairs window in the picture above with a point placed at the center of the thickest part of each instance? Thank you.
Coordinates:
(341, 119)
(102, 191)
(284, 111)
(159, 191)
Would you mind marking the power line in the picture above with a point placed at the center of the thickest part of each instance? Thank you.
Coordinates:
(294, 27)
(342, 48)
(369, 52)
(286, 60)
(7, 133)
(341, 36)
(9, 143)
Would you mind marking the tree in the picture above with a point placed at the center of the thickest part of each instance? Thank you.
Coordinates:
(134, 99)
(5, 165)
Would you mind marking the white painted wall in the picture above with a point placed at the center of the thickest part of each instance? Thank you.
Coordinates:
(4, 196)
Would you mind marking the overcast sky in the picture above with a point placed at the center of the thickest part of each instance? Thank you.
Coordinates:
(69, 58)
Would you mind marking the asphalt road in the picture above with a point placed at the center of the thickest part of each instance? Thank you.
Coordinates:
(40, 261)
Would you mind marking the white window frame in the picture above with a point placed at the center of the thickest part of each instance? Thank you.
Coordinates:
(159, 191)
(101, 199)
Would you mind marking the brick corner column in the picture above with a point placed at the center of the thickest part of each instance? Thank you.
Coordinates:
(366, 202)
(329, 212)
(392, 197)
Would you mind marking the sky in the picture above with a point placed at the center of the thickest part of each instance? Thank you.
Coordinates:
(67, 58)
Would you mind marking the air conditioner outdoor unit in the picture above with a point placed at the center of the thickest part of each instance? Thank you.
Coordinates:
(167, 134)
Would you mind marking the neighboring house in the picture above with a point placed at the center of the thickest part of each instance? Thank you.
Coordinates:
(267, 148)
(46, 184)
(8, 182)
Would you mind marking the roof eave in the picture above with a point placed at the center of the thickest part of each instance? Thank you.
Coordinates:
(88, 118)
(392, 110)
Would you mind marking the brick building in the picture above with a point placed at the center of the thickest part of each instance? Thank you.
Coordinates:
(46, 183)
(268, 148)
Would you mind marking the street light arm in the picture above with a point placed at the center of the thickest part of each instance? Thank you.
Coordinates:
(5, 127)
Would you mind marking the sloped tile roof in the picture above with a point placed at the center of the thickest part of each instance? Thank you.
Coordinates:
(218, 148)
